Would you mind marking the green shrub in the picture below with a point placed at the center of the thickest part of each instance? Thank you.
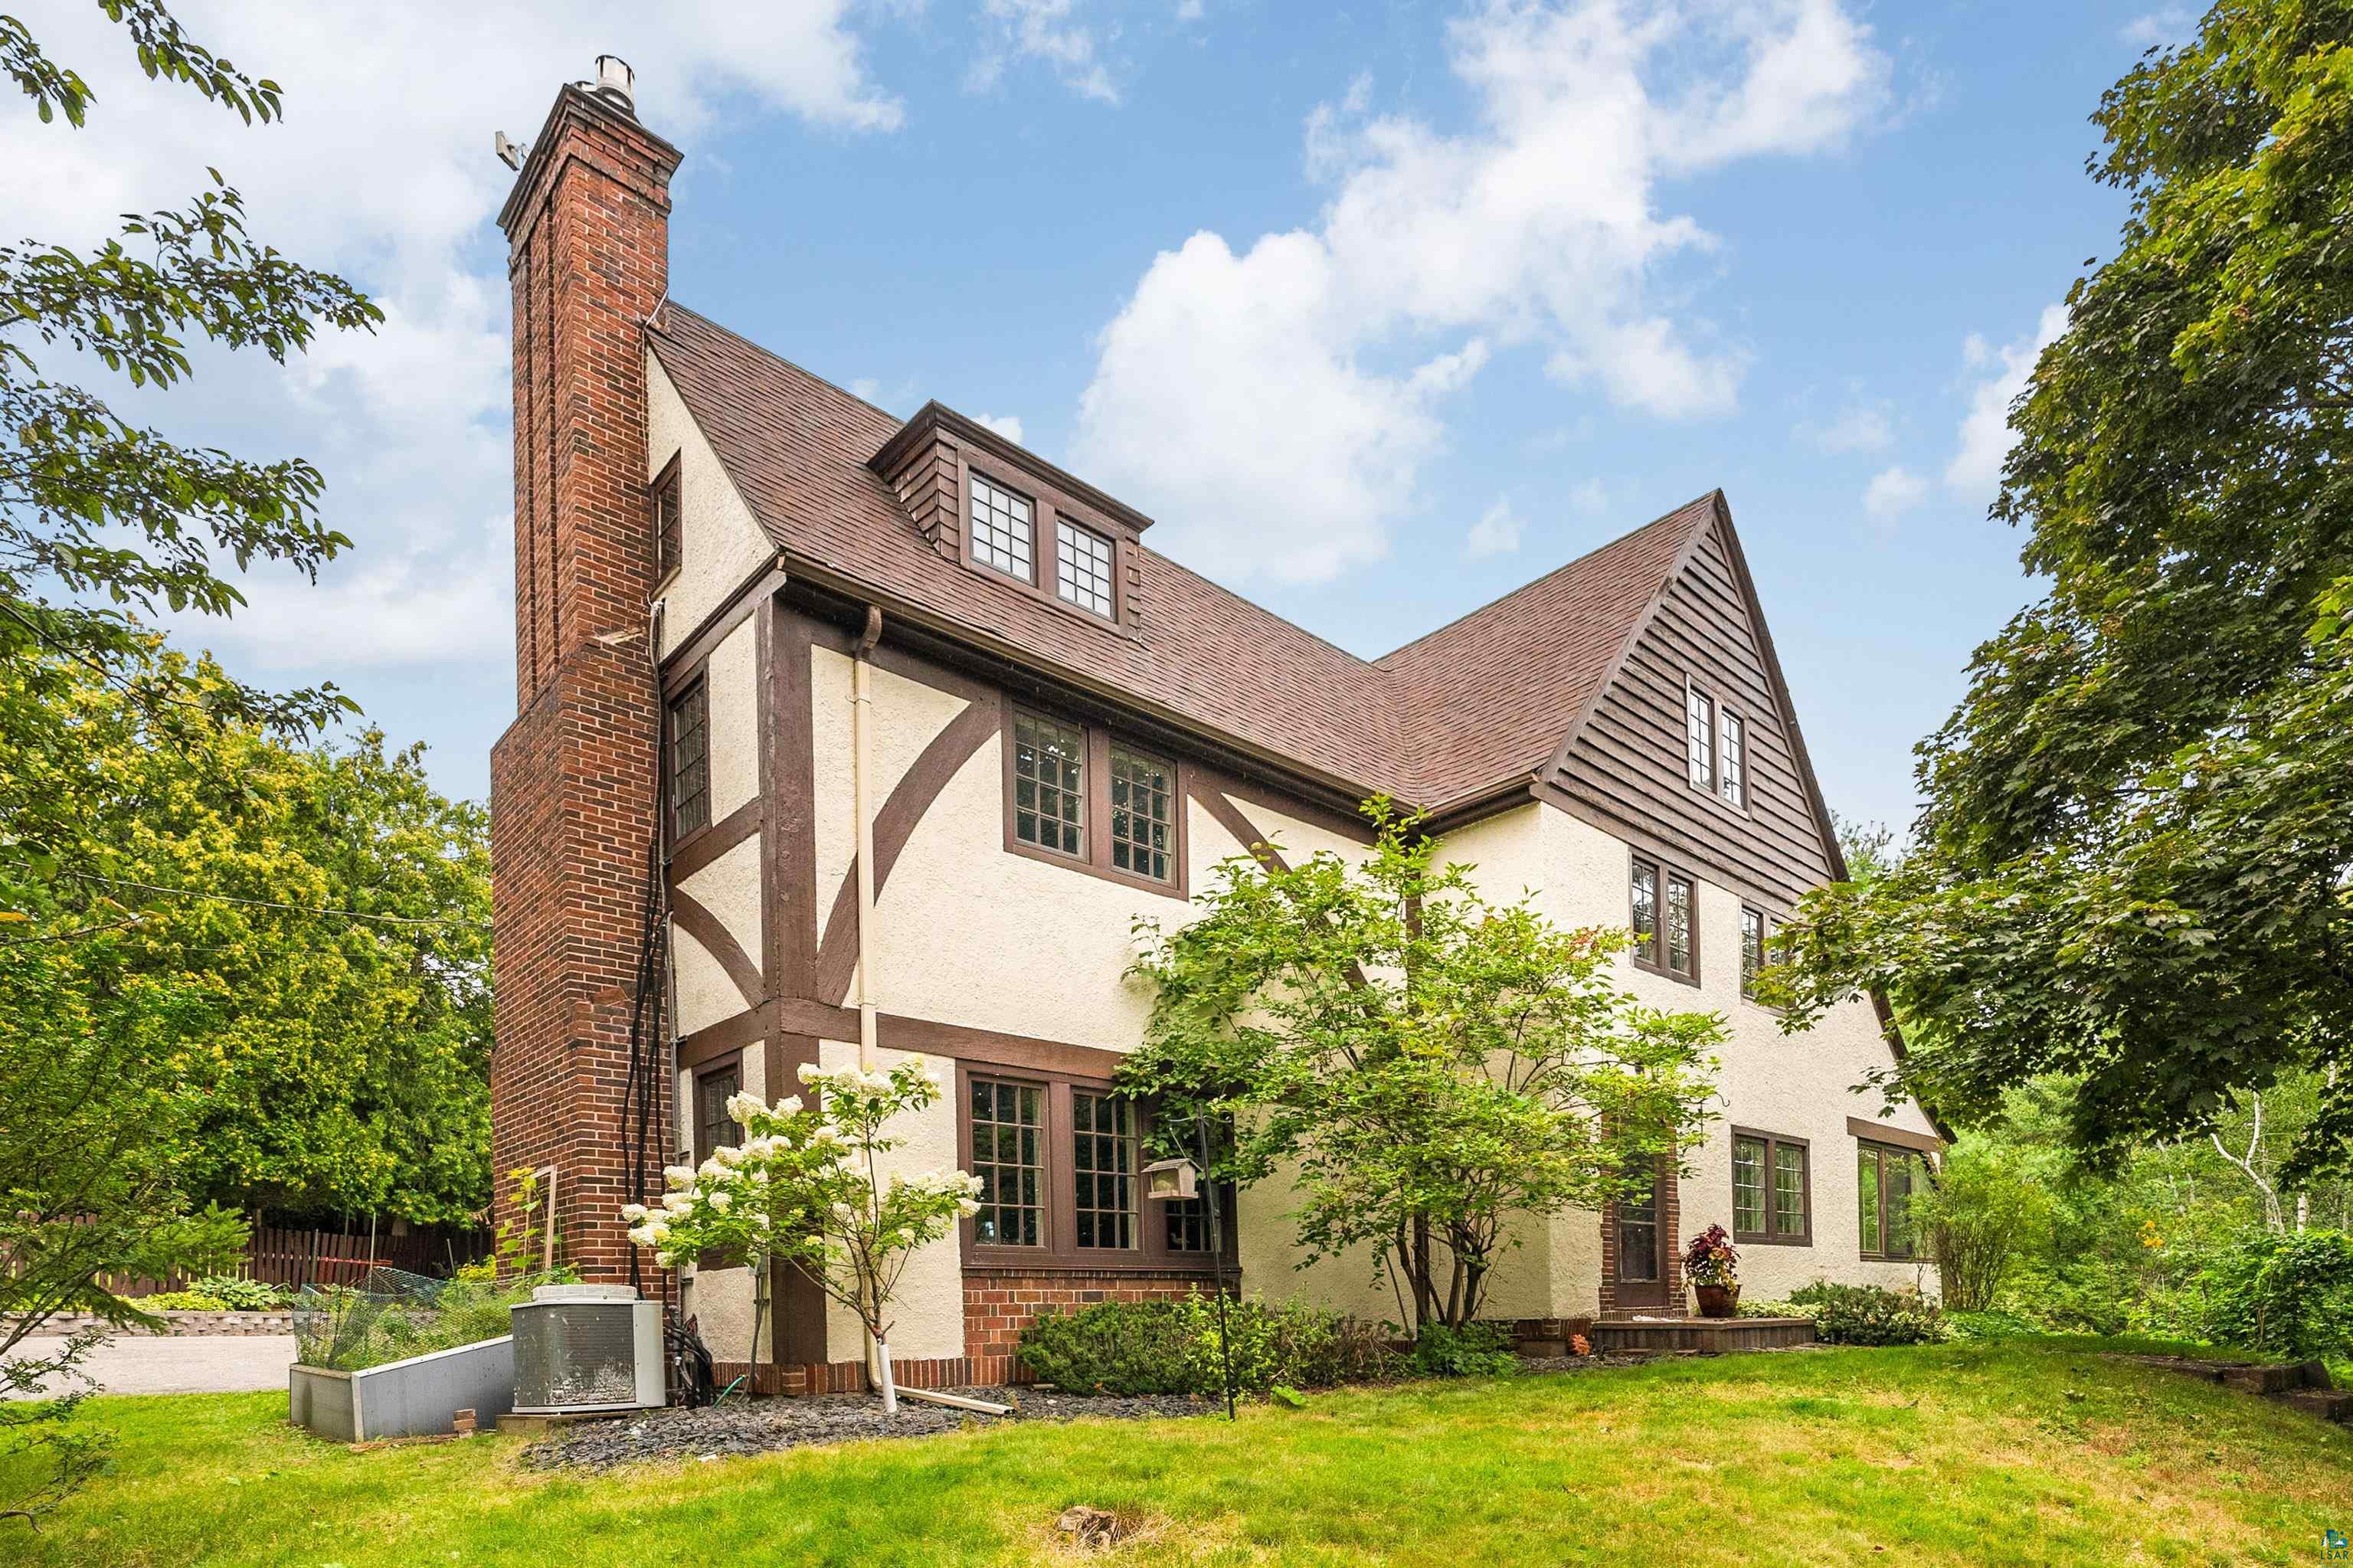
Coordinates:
(1989, 1326)
(1169, 1345)
(1475, 1350)
(182, 1301)
(2287, 1295)
(238, 1293)
(1870, 1315)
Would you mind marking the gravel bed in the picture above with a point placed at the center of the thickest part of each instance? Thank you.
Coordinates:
(764, 1425)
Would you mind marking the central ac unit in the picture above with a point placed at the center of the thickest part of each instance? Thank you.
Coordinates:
(586, 1348)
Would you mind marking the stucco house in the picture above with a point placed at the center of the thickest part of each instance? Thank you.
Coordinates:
(800, 658)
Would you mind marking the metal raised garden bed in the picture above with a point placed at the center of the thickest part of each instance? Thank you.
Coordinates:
(414, 1398)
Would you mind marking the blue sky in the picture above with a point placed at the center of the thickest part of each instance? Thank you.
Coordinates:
(1516, 278)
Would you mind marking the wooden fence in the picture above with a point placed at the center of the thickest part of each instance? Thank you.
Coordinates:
(293, 1258)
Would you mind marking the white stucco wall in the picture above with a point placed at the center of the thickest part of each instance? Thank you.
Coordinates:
(720, 544)
(732, 681)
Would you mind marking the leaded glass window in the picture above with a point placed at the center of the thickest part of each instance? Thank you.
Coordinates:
(1142, 834)
(690, 762)
(1699, 728)
(1679, 923)
(713, 1128)
(1733, 765)
(1049, 784)
(1004, 531)
(1789, 1190)
(1009, 1155)
(1646, 911)
(1747, 1186)
(1103, 1160)
(1752, 949)
(1082, 567)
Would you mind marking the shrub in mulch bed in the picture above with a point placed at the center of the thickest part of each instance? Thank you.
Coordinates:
(766, 1425)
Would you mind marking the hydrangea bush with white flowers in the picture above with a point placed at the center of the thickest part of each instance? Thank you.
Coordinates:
(805, 1187)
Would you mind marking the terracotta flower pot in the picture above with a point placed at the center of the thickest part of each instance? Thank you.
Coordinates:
(1717, 1301)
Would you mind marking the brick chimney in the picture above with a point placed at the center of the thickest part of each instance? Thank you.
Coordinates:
(572, 779)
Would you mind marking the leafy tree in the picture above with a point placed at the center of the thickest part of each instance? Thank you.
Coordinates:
(319, 920)
(2132, 868)
(100, 518)
(1426, 1067)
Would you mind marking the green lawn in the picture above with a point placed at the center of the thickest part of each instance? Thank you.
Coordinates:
(2014, 1453)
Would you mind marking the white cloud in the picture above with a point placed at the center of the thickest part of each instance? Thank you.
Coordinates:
(1046, 30)
(2168, 24)
(383, 170)
(1864, 427)
(1538, 226)
(1005, 425)
(1590, 497)
(1497, 532)
(1985, 437)
(1893, 492)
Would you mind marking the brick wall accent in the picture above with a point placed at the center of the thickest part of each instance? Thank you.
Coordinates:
(1670, 1218)
(998, 1304)
(573, 781)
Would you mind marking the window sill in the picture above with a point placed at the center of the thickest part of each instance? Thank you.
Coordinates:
(1648, 967)
(1739, 1239)
(1109, 874)
(1007, 1262)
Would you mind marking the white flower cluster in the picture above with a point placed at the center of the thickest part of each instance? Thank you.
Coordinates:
(959, 1185)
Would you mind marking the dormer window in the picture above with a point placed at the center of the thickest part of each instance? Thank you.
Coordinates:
(1004, 530)
(1082, 568)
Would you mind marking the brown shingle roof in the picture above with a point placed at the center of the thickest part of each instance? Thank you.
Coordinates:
(1478, 702)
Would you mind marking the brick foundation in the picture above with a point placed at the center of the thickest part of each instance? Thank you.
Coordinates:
(573, 781)
(998, 1304)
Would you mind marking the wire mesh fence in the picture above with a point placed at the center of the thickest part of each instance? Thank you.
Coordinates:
(391, 1314)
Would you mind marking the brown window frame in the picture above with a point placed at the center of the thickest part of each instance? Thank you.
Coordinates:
(1058, 1247)
(1695, 692)
(698, 692)
(1764, 931)
(1925, 1164)
(1771, 1235)
(1095, 854)
(1050, 508)
(669, 522)
(1652, 957)
(732, 1065)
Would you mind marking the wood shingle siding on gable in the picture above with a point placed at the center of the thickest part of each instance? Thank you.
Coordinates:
(1626, 767)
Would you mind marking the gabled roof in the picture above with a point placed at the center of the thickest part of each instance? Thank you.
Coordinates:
(1479, 704)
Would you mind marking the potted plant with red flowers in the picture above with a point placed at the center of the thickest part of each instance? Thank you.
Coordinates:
(1712, 1267)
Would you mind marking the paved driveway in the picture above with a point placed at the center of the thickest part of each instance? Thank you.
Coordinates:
(183, 1363)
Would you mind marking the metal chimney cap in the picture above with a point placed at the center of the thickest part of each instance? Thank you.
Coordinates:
(615, 80)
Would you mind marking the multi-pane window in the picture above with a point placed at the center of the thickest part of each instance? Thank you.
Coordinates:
(1886, 1179)
(668, 537)
(1004, 530)
(1103, 1160)
(1186, 1222)
(1143, 793)
(1679, 923)
(1732, 769)
(1009, 1155)
(1699, 732)
(1752, 948)
(1664, 937)
(1638, 1231)
(1772, 1199)
(690, 762)
(1083, 560)
(713, 1128)
(1646, 910)
(1049, 784)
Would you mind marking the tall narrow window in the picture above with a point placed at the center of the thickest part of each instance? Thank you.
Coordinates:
(1699, 732)
(1646, 911)
(1143, 790)
(690, 762)
(1004, 530)
(1790, 1207)
(1103, 1160)
(1638, 1231)
(1747, 1186)
(1049, 784)
(713, 1128)
(669, 536)
(1082, 567)
(1886, 1179)
(1008, 1157)
(1733, 764)
(1752, 948)
(1682, 957)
